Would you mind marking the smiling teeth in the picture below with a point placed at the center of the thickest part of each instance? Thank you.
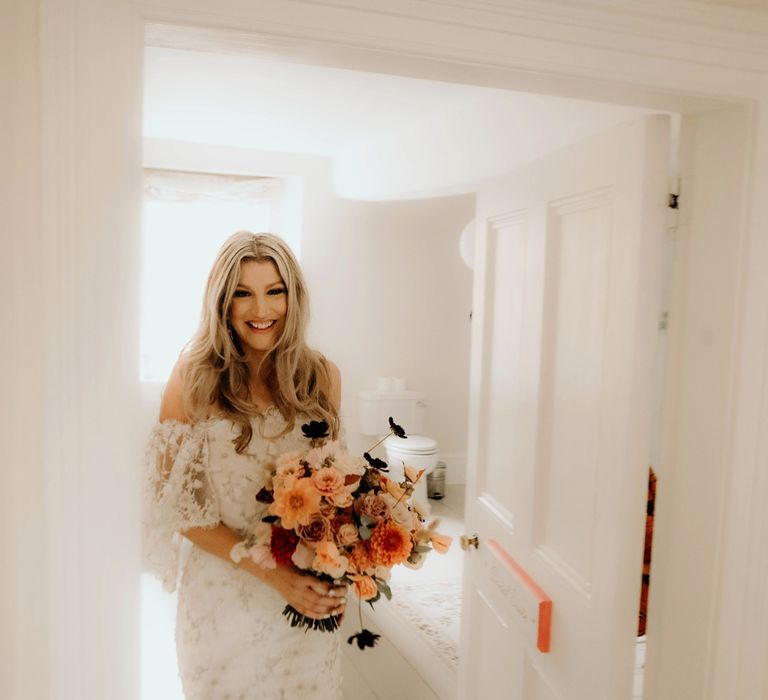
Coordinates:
(260, 326)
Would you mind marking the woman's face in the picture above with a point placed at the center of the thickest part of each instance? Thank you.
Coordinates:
(259, 306)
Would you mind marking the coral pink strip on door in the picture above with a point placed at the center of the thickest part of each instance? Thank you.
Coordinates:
(542, 600)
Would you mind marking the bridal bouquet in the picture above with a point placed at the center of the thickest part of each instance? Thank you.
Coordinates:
(342, 519)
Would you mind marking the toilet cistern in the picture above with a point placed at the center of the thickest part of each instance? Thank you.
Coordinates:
(419, 451)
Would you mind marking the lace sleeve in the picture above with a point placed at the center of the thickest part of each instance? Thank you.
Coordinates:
(178, 495)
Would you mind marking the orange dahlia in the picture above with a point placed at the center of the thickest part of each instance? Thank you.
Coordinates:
(296, 503)
(390, 544)
(360, 557)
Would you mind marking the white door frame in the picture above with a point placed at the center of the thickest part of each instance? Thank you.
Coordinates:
(685, 57)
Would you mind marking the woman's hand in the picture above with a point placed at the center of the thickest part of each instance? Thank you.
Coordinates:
(308, 595)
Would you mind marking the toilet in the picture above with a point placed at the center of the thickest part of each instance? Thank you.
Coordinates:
(408, 409)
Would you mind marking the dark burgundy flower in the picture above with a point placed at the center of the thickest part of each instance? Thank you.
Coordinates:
(265, 496)
(376, 463)
(364, 638)
(397, 429)
(282, 544)
(315, 429)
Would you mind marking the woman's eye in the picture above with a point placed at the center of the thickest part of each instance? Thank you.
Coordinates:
(277, 290)
(241, 293)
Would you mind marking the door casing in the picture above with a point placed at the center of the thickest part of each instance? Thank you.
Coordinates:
(515, 45)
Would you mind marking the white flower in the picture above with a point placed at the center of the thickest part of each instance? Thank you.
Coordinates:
(263, 534)
(303, 556)
(262, 556)
(400, 513)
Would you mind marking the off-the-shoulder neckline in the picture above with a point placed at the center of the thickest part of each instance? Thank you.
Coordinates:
(268, 411)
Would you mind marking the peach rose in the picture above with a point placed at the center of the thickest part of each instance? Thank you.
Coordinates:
(328, 481)
(347, 534)
(365, 587)
(328, 560)
(344, 499)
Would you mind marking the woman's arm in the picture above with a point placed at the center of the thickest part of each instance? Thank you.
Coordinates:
(306, 594)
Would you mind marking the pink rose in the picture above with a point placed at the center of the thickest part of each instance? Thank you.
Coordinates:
(373, 506)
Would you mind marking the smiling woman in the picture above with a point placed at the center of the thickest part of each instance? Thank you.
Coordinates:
(235, 401)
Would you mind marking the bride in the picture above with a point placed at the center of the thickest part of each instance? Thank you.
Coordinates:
(235, 402)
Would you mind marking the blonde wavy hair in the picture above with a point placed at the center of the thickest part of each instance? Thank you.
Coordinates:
(216, 376)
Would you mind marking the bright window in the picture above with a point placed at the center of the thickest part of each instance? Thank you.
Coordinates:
(185, 223)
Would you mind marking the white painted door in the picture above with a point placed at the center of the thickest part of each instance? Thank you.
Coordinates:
(566, 309)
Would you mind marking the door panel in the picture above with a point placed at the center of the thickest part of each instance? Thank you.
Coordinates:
(506, 251)
(574, 310)
(566, 304)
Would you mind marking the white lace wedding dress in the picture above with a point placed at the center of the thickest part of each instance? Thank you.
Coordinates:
(232, 641)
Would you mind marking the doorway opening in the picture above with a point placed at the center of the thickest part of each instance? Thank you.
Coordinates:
(430, 144)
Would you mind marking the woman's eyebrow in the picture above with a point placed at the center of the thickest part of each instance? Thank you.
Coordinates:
(279, 283)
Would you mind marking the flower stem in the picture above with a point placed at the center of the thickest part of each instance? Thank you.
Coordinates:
(360, 611)
(371, 449)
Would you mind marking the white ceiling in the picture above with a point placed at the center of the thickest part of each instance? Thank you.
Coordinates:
(430, 137)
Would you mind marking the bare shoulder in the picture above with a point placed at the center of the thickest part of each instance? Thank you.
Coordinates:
(335, 389)
(172, 404)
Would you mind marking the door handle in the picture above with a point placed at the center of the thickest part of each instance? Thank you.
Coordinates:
(467, 542)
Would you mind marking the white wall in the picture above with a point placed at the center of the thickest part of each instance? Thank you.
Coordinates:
(392, 297)
(23, 561)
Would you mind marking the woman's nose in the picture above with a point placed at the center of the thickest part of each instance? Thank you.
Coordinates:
(258, 305)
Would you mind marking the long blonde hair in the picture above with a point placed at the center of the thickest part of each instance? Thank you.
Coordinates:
(216, 375)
